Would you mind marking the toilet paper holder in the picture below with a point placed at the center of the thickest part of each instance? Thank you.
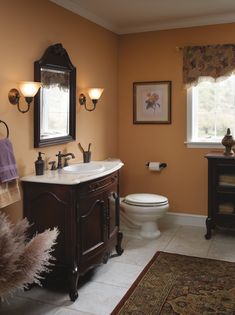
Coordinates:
(161, 165)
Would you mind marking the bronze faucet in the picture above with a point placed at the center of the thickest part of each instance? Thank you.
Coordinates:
(60, 156)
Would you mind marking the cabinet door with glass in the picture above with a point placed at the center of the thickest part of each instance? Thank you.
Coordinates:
(221, 192)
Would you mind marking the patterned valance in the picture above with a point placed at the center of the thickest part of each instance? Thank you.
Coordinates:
(209, 61)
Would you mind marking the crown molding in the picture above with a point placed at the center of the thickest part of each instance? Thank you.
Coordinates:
(161, 25)
(182, 23)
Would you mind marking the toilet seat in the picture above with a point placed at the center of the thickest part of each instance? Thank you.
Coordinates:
(146, 200)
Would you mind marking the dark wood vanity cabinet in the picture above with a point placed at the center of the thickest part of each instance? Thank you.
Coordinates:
(221, 192)
(87, 216)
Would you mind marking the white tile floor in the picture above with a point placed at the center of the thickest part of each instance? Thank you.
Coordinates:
(108, 283)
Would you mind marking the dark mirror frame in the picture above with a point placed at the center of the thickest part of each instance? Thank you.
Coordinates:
(55, 58)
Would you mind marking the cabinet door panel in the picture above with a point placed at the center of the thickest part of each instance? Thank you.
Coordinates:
(225, 178)
(91, 226)
(44, 209)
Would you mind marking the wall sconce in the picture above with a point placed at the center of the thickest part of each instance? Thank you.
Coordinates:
(28, 89)
(94, 95)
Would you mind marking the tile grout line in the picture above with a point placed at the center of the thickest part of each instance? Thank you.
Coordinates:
(173, 236)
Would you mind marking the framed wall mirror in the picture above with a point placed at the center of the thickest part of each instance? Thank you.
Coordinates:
(55, 104)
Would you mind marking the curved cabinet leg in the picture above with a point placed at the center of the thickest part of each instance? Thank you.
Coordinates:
(119, 248)
(209, 226)
(73, 281)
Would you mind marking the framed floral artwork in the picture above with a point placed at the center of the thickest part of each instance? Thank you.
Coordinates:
(152, 102)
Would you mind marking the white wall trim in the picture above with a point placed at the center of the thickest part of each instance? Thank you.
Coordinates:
(183, 219)
(181, 23)
(107, 23)
(209, 145)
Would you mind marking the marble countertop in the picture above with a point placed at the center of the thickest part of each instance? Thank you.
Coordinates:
(71, 178)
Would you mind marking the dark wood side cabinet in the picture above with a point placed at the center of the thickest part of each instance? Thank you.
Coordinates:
(221, 192)
(87, 216)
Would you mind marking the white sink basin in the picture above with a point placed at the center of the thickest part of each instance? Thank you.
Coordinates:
(84, 168)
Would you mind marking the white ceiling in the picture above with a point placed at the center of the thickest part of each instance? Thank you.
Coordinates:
(131, 16)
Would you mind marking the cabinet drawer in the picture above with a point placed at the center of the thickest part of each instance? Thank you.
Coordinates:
(103, 183)
(98, 185)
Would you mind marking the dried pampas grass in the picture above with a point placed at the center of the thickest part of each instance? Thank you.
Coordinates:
(22, 261)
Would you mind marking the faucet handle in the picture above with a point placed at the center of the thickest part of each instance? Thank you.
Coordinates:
(53, 167)
(59, 154)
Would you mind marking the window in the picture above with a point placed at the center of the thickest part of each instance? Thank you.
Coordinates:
(211, 110)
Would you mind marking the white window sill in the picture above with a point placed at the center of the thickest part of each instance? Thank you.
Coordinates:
(210, 145)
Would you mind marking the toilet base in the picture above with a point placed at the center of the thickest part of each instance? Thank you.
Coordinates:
(149, 230)
(141, 221)
(129, 228)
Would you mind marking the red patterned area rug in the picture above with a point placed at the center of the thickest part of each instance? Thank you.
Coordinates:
(176, 284)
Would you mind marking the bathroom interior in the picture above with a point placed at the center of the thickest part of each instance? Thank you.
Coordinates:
(103, 58)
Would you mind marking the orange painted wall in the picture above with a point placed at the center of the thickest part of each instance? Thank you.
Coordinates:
(114, 62)
(27, 28)
(152, 56)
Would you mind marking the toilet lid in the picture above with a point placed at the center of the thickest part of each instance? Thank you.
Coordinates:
(146, 200)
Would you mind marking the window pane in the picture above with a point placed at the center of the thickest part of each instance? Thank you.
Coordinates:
(213, 110)
(206, 125)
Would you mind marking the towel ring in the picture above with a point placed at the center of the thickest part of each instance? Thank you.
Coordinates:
(3, 122)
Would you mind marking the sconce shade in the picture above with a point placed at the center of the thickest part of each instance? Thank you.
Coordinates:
(29, 89)
(95, 93)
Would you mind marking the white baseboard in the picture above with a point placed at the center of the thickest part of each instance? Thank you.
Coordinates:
(183, 219)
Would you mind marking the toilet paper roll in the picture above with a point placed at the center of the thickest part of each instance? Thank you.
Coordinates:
(154, 166)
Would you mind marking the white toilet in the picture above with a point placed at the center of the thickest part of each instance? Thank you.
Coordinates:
(141, 211)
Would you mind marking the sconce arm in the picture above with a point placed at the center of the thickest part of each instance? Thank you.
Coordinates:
(82, 101)
(14, 99)
(94, 106)
(23, 111)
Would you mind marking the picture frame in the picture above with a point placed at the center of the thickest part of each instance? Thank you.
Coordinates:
(152, 102)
